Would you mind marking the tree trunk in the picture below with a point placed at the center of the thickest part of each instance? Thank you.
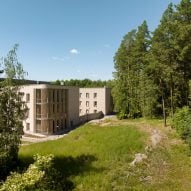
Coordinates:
(163, 109)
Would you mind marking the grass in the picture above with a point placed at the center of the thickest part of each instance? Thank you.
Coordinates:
(89, 156)
(97, 157)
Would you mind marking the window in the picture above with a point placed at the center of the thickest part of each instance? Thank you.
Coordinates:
(38, 95)
(95, 103)
(27, 97)
(58, 108)
(53, 96)
(58, 97)
(53, 108)
(20, 97)
(80, 95)
(87, 103)
(62, 95)
(87, 111)
(27, 113)
(80, 103)
(80, 111)
(28, 126)
(87, 95)
(95, 95)
(50, 96)
(95, 111)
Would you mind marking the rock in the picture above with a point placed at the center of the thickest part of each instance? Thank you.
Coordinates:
(139, 157)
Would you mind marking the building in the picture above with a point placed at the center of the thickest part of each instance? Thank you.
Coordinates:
(51, 108)
(94, 100)
(54, 108)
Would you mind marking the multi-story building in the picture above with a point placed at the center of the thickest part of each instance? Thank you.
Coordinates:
(54, 108)
(94, 100)
(51, 108)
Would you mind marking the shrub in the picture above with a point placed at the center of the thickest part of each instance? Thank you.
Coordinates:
(182, 123)
(40, 176)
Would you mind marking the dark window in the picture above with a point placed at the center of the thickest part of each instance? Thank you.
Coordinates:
(87, 95)
(95, 95)
(28, 126)
(95, 103)
(27, 97)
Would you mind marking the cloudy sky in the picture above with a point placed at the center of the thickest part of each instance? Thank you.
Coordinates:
(64, 39)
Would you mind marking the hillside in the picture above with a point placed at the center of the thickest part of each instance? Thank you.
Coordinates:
(103, 156)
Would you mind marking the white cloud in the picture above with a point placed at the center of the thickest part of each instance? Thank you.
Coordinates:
(74, 51)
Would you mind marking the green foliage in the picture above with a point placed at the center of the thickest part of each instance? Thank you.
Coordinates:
(133, 90)
(83, 83)
(40, 176)
(12, 112)
(182, 123)
(152, 74)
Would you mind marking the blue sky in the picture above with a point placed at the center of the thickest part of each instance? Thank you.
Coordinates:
(64, 39)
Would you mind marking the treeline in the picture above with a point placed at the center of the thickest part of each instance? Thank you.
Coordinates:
(152, 70)
(84, 83)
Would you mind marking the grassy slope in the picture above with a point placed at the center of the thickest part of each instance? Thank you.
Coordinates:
(96, 157)
(88, 155)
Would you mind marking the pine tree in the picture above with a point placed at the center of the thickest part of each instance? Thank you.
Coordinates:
(123, 76)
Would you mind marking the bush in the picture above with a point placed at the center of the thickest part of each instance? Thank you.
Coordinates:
(40, 176)
(182, 123)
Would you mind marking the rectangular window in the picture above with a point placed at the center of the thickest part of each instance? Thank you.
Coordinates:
(80, 103)
(28, 126)
(95, 111)
(87, 103)
(87, 111)
(80, 111)
(58, 108)
(27, 97)
(53, 109)
(80, 95)
(27, 113)
(95, 95)
(62, 95)
(38, 126)
(38, 111)
(87, 95)
(95, 103)
(58, 96)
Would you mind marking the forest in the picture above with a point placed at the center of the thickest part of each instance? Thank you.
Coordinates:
(153, 69)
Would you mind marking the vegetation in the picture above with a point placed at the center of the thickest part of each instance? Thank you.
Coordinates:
(153, 72)
(182, 123)
(84, 83)
(97, 157)
(89, 156)
(39, 176)
(12, 113)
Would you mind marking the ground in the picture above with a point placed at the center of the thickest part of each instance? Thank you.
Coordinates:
(120, 155)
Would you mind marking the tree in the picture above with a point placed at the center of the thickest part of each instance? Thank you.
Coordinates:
(12, 112)
(134, 93)
(123, 76)
(163, 62)
(183, 47)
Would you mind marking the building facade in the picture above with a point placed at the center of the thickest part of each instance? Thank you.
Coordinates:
(50, 108)
(54, 108)
(94, 100)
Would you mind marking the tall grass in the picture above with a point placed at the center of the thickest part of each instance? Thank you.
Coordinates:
(90, 156)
